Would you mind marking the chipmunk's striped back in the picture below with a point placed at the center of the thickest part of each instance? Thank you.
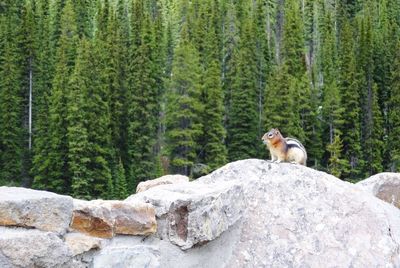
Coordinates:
(297, 143)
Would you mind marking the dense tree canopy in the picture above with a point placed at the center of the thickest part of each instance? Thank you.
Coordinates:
(98, 95)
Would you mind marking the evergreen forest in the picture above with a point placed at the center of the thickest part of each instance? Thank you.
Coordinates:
(98, 95)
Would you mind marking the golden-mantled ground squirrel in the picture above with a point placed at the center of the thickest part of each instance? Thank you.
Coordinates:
(284, 149)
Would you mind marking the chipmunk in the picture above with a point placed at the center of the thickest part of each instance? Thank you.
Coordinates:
(284, 149)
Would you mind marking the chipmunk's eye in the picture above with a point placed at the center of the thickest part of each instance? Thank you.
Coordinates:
(270, 135)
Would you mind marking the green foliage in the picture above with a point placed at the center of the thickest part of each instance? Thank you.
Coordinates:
(372, 121)
(394, 115)
(127, 90)
(280, 109)
(42, 79)
(332, 110)
(11, 96)
(213, 146)
(373, 147)
(143, 107)
(89, 135)
(336, 164)
(183, 123)
(77, 132)
(243, 139)
(348, 83)
(52, 165)
(213, 151)
(109, 46)
(263, 58)
(120, 184)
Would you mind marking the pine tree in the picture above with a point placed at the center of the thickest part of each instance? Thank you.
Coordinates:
(53, 171)
(336, 163)
(120, 185)
(263, 58)
(143, 108)
(83, 10)
(394, 116)
(332, 110)
(213, 146)
(159, 64)
(293, 55)
(212, 151)
(373, 137)
(82, 183)
(243, 140)
(183, 124)
(229, 43)
(287, 91)
(98, 120)
(11, 97)
(55, 13)
(309, 31)
(372, 123)
(42, 78)
(89, 135)
(293, 40)
(116, 67)
(384, 43)
(279, 101)
(29, 48)
(348, 84)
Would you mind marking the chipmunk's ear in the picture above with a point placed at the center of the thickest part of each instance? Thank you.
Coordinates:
(277, 131)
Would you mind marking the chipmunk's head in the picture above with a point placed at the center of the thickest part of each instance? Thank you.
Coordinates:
(271, 136)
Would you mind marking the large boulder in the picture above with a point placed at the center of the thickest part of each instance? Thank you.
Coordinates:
(32, 248)
(299, 217)
(194, 213)
(285, 216)
(106, 218)
(385, 186)
(167, 179)
(35, 209)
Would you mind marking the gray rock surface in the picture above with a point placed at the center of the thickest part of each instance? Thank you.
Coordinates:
(128, 255)
(193, 213)
(167, 179)
(385, 186)
(299, 217)
(294, 217)
(213, 254)
(32, 248)
(104, 218)
(79, 243)
(249, 213)
(36, 209)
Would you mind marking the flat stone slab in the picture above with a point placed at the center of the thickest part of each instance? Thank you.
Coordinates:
(104, 219)
(29, 248)
(35, 209)
(194, 213)
(79, 243)
(167, 179)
